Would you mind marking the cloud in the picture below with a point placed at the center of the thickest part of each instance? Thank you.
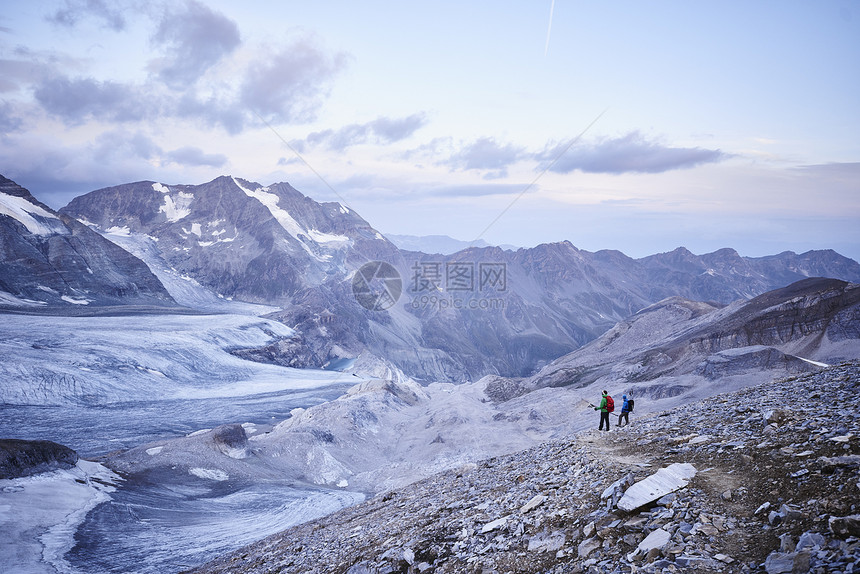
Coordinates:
(195, 38)
(75, 10)
(75, 100)
(121, 145)
(381, 130)
(289, 85)
(486, 154)
(195, 156)
(627, 154)
(10, 119)
(849, 172)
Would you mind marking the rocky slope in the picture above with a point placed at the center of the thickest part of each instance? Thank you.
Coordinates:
(772, 486)
(48, 259)
(677, 339)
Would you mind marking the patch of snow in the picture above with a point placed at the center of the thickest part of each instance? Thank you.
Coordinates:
(37, 220)
(209, 474)
(816, 363)
(81, 301)
(195, 230)
(321, 237)
(176, 208)
(11, 300)
(123, 231)
(160, 188)
(343, 209)
(154, 450)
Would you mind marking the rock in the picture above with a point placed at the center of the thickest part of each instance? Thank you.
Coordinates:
(589, 529)
(536, 501)
(20, 458)
(498, 523)
(790, 512)
(810, 541)
(588, 546)
(364, 567)
(830, 464)
(845, 525)
(787, 563)
(655, 541)
(775, 518)
(662, 482)
(775, 416)
(616, 490)
(547, 542)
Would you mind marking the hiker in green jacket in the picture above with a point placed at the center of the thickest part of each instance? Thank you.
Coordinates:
(604, 411)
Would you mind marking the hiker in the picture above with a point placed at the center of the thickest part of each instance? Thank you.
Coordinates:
(626, 409)
(604, 410)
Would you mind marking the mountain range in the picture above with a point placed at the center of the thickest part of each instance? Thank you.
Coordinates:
(230, 270)
(456, 317)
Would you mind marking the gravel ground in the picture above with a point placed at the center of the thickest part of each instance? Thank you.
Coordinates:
(776, 489)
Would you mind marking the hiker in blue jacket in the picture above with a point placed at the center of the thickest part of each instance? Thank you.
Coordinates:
(626, 407)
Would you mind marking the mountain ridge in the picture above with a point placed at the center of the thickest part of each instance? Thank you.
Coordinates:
(235, 242)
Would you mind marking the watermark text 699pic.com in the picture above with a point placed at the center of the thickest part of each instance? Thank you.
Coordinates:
(458, 285)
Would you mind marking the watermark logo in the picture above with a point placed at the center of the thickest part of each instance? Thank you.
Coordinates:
(468, 285)
(377, 285)
(458, 285)
(458, 276)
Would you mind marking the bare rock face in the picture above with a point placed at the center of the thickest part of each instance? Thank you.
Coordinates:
(28, 457)
(50, 259)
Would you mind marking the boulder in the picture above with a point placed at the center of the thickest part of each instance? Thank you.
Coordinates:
(28, 457)
(657, 540)
(845, 525)
(657, 485)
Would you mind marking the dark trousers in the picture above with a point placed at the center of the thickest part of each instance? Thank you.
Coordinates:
(624, 415)
(604, 416)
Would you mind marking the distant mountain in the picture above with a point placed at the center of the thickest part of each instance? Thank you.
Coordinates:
(433, 243)
(453, 317)
(676, 345)
(50, 259)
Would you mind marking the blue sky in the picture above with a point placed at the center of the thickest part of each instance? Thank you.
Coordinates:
(623, 125)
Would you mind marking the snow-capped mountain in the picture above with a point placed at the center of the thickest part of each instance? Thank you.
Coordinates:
(238, 238)
(50, 259)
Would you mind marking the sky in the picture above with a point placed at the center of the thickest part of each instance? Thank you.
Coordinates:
(636, 126)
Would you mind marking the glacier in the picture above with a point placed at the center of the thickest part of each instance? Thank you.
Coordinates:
(102, 384)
